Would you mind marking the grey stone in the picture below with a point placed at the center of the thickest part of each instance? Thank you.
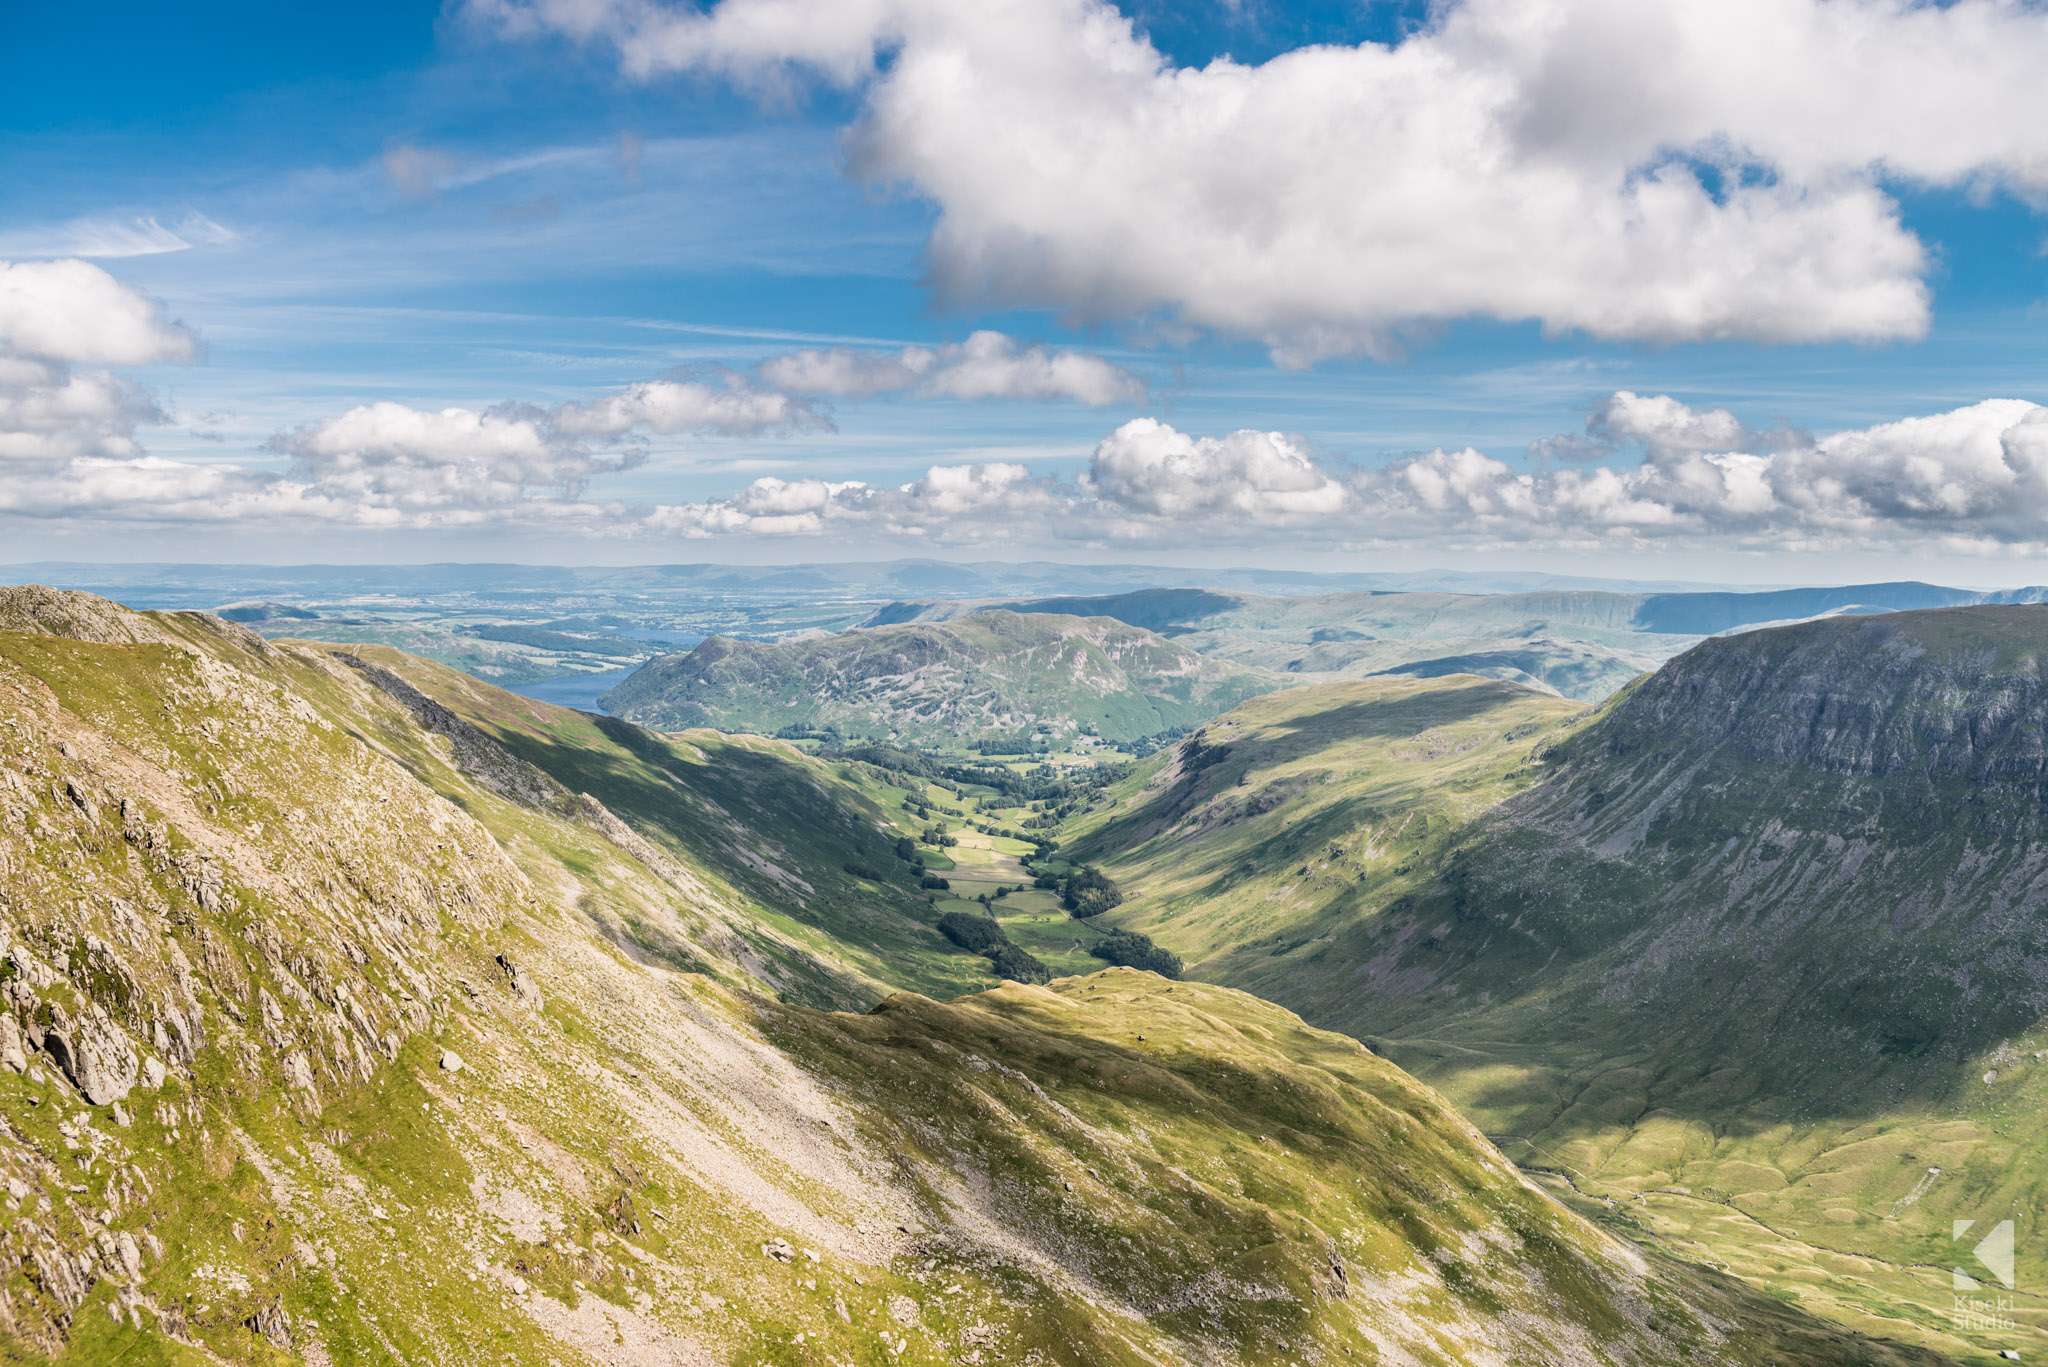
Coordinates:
(96, 1056)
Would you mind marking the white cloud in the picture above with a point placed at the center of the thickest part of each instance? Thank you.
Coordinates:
(53, 413)
(1974, 478)
(1666, 472)
(991, 501)
(1654, 170)
(988, 365)
(1149, 468)
(1662, 423)
(115, 237)
(72, 312)
(673, 406)
(390, 456)
(56, 316)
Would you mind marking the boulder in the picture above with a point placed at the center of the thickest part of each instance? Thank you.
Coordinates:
(520, 981)
(13, 1057)
(95, 1055)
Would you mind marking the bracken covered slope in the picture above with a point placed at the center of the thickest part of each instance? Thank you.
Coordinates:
(985, 676)
(335, 1032)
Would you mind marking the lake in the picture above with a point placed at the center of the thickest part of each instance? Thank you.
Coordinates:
(578, 690)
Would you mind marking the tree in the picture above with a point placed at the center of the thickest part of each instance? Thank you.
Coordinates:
(971, 932)
(1090, 892)
(1018, 966)
(1132, 950)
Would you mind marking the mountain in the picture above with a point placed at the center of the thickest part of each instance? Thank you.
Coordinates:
(1758, 952)
(336, 1029)
(984, 676)
(1578, 643)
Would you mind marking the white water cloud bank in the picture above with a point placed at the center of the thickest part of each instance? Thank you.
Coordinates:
(1649, 170)
(1653, 473)
(69, 424)
(1975, 478)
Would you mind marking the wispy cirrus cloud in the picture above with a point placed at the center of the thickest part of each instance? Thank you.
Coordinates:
(105, 237)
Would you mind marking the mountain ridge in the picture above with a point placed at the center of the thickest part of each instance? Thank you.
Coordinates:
(986, 675)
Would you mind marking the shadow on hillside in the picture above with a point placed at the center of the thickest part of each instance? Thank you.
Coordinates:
(1519, 1070)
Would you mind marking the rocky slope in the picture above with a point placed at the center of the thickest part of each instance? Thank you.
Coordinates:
(984, 676)
(1825, 846)
(337, 1031)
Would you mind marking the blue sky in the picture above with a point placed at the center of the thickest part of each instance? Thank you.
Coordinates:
(393, 204)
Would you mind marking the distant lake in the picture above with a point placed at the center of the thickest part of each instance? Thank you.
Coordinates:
(681, 640)
(578, 690)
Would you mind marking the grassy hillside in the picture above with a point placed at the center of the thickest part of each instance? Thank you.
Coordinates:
(1753, 959)
(988, 675)
(1278, 825)
(337, 1031)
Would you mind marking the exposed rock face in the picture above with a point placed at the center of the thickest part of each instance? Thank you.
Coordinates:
(1822, 847)
(1955, 695)
(96, 1055)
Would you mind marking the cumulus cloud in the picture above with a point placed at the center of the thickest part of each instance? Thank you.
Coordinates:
(1974, 477)
(1654, 170)
(1149, 468)
(73, 313)
(673, 406)
(995, 500)
(988, 365)
(61, 324)
(384, 461)
(1663, 424)
(51, 412)
(387, 456)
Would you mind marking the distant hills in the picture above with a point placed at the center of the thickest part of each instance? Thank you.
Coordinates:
(186, 585)
(984, 676)
(1579, 643)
